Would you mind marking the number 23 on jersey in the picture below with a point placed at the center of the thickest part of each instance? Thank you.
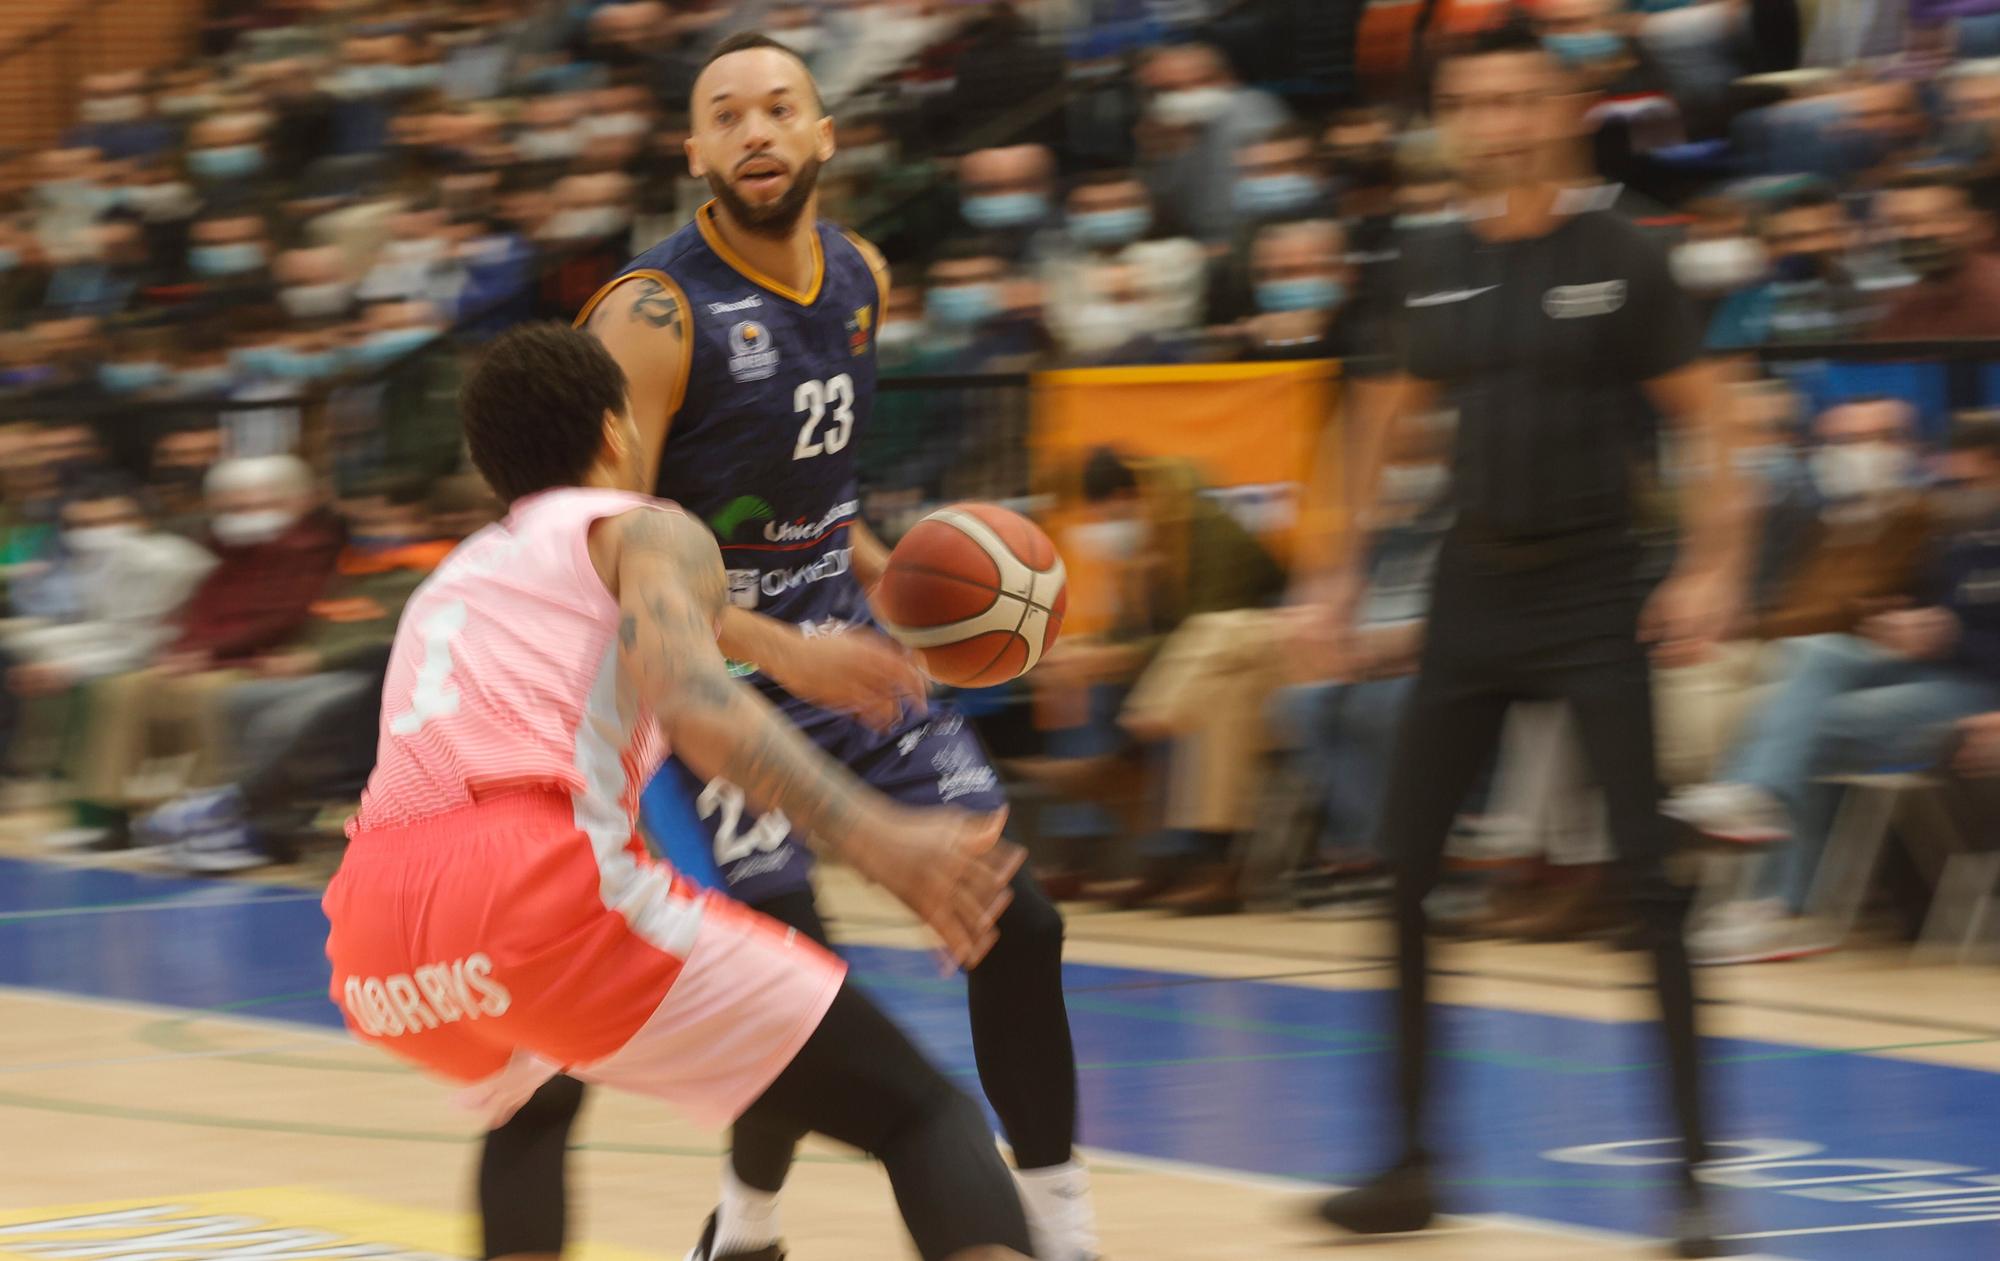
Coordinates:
(814, 400)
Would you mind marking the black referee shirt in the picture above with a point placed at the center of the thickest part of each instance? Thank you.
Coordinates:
(1543, 346)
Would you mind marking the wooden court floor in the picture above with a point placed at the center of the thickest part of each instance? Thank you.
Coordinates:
(141, 1129)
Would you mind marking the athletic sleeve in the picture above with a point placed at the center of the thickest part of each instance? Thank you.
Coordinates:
(1661, 330)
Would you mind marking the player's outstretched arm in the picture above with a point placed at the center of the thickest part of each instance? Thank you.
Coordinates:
(949, 866)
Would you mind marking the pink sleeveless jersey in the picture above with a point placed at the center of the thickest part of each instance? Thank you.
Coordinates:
(504, 676)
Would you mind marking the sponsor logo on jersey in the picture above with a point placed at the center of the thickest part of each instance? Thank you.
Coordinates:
(858, 326)
(750, 303)
(743, 588)
(752, 357)
(803, 531)
(776, 582)
(736, 513)
(1575, 302)
(748, 587)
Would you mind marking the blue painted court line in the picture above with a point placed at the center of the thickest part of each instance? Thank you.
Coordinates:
(1893, 1159)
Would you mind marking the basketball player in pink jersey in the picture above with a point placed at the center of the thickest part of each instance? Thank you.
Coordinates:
(496, 921)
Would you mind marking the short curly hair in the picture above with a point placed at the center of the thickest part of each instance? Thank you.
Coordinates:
(534, 409)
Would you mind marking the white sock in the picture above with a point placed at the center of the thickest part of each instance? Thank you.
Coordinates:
(746, 1219)
(1060, 1215)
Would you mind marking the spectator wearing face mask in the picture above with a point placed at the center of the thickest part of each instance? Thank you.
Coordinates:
(275, 550)
(1943, 242)
(979, 313)
(116, 117)
(1887, 696)
(1109, 223)
(127, 579)
(1630, 113)
(1008, 194)
(1198, 119)
(228, 161)
(1863, 546)
(1818, 289)
(1302, 288)
(230, 257)
(1720, 255)
(1279, 179)
(299, 713)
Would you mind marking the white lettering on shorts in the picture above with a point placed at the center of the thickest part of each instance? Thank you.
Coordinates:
(432, 995)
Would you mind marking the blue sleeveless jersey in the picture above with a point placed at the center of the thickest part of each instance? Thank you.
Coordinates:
(762, 445)
(762, 448)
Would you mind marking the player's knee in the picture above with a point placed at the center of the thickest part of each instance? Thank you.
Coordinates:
(1031, 931)
(553, 1107)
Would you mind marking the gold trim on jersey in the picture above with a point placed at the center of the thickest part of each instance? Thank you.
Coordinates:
(868, 255)
(673, 287)
(703, 220)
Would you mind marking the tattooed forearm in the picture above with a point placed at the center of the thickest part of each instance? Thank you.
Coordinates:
(672, 589)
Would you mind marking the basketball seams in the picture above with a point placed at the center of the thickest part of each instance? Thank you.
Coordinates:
(1013, 575)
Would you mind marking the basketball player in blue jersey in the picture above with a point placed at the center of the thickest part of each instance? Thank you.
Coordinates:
(748, 340)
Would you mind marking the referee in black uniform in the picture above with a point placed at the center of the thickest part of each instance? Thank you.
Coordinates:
(1556, 331)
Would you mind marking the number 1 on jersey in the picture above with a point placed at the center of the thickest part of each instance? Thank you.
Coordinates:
(812, 398)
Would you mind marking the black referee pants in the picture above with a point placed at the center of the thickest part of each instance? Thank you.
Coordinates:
(1510, 624)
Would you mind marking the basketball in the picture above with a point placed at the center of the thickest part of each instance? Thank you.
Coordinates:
(976, 592)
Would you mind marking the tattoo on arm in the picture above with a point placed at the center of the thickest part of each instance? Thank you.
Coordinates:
(651, 303)
(673, 589)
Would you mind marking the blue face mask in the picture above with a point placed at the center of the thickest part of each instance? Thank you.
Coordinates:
(387, 347)
(1105, 229)
(9, 259)
(299, 365)
(204, 382)
(233, 162)
(254, 361)
(226, 260)
(131, 377)
(962, 306)
(989, 211)
(1261, 195)
(1580, 48)
(1301, 293)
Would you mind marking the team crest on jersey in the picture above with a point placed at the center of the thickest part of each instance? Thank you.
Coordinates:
(752, 357)
(857, 330)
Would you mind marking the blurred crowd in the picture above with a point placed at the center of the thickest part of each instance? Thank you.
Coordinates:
(237, 296)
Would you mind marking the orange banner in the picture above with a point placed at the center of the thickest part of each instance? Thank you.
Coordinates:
(1253, 430)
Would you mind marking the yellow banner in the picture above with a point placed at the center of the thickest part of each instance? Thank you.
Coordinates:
(1252, 430)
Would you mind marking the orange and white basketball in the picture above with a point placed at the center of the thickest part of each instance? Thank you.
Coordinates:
(976, 592)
